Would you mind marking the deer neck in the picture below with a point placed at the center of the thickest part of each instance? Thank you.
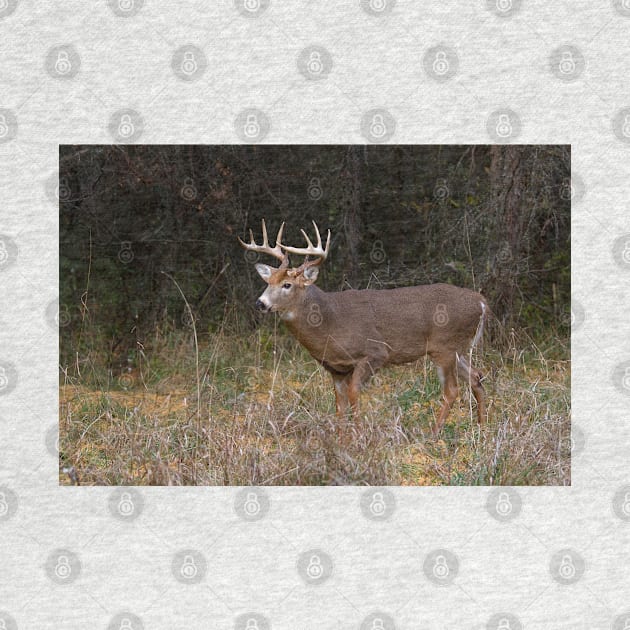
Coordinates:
(306, 320)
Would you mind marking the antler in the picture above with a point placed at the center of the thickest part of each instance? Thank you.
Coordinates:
(265, 248)
(310, 250)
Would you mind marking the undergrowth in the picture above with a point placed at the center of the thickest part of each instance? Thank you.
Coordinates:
(256, 409)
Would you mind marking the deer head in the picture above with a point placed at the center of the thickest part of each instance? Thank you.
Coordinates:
(286, 285)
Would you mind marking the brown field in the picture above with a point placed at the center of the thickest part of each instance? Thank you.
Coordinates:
(260, 411)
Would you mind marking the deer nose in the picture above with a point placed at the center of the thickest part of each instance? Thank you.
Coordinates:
(260, 305)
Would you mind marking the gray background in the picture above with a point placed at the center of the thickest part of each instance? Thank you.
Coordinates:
(555, 557)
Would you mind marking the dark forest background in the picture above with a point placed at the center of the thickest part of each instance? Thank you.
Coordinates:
(493, 218)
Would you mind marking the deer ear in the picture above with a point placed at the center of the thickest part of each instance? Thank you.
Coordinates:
(264, 271)
(310, 275)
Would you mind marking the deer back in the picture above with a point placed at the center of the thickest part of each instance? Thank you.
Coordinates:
(389, 326)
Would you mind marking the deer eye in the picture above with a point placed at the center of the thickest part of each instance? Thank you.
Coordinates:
(286, 285)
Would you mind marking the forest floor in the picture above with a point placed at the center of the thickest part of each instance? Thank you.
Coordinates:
(260, 411)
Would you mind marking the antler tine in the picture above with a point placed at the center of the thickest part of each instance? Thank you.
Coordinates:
(310, 249)
(284, 257)
(275, 251)
(279, 237)
(265, 239)
(308, 240)
(319, 237)
(319, 240)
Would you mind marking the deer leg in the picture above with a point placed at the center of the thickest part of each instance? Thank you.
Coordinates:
(341, 393)
(473, 377)
(343, 401)
(450, 390)
(362, 372)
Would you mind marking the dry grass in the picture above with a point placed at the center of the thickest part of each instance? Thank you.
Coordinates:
(262, 413)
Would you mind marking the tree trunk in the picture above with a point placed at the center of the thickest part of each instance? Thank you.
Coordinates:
(509, 181)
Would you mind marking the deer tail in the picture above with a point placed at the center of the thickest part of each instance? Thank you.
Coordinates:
(480, 325)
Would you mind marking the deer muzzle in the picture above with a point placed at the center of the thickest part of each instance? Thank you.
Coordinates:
(261, 306)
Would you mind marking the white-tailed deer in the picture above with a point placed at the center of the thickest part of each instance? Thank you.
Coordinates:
(354, 333)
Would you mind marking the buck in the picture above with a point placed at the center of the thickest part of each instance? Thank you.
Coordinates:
(354, 333)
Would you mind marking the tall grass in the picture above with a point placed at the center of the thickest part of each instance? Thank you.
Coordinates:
(256, 409)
